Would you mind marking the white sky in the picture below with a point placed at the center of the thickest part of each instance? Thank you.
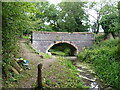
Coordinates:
(58, 1)
(90, 11)
(54, 1)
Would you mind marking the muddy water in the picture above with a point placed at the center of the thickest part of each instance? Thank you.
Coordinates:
(88, 76)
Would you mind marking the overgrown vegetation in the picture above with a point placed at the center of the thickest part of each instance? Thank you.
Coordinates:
(44, 55)
(63, 49)
(99, 37)
(20, 18)
(26, 36)
(106, 61)
(15, 22)
(62, 74)
(15, 82)
(110, 24)
(29, 46)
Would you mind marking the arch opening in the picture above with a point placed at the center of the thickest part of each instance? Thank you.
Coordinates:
(63, 49)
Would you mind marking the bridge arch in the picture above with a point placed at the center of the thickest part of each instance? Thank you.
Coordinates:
(75, 51)
(43, 41)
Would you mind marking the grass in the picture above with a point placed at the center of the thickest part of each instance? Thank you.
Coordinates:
(58, 53)
(106, 61)
(45, 55)
(62, 49)
(26, 37)
(14, 82)
(61, 74)
(29, 46)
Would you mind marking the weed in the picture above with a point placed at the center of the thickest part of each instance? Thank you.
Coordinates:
(62, 74)
(44, 55)
(62, 49)
(105, 59)
(26, 36)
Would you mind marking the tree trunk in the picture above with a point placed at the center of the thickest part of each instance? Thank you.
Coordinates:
(98, 24)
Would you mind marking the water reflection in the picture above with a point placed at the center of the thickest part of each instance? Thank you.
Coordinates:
(94, 86)
(86, 75)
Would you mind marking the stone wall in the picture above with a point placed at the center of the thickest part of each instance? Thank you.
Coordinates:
(42, 41)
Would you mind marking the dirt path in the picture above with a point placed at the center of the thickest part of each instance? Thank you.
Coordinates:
(34, 60)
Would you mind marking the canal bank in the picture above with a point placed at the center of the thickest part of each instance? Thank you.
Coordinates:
(88, 76)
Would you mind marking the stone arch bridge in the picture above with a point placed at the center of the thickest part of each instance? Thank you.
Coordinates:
(43, 41)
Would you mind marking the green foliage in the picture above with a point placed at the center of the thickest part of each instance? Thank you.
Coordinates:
(46, 17)
(106, 7)
(67, 63)
(59, 53)
(45, 55)
(99, 37)
(110, 23)
(62, 74)
(26, 36)
(71, 17)
(106, 60)
(119, 14)
(62, 49)
(56, 51)
(15, 22)
(119, 5)
(58, 18)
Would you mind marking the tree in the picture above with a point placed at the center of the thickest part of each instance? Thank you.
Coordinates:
(119, 27)
(101, 8)
(48, 15)
(119, 7)
(110, 24)
(72, 17)
(109, 20)
(119, 14)
(15, 21)
(66, 17)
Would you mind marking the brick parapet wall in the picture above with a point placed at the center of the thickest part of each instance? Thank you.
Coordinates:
(41, 41)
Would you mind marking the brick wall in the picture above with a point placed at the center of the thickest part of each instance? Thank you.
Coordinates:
(41, 41)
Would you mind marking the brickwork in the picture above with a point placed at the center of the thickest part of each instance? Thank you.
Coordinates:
(43, 41)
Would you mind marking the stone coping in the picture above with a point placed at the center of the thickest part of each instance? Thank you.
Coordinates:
(63, 32)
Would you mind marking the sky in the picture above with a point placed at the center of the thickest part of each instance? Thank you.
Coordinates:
(92, 11)
(54, 1)
(58, 1)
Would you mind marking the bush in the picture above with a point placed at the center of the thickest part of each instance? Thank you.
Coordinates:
(106, 60)
(99, 37)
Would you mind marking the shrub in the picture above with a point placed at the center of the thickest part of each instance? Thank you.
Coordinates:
(99, 38)
(105, 58)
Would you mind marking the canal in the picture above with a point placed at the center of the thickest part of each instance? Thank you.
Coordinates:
(88, 76)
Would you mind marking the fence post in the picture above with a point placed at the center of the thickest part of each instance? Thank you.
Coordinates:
(40, 75)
